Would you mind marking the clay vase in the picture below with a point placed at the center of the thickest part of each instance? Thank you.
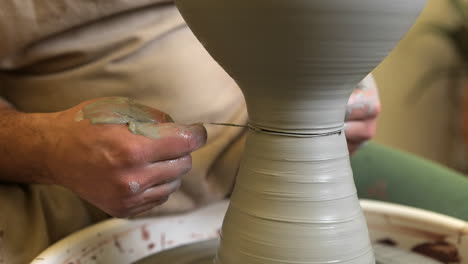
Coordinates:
(297, 62)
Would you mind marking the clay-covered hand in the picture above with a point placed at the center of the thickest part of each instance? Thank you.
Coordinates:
(361, 114)
(123, 157)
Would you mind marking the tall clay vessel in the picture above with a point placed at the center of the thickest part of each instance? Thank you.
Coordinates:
(297, 62)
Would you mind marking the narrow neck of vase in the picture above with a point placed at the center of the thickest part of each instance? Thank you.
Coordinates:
(306, 108)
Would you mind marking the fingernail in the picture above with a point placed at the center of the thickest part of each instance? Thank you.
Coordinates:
(199, 133)
(175, 185)
(187, 165)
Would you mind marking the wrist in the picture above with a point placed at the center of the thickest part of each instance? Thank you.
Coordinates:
(25, 147)
(42, 144)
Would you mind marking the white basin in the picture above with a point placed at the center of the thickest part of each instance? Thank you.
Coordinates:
(120, 241)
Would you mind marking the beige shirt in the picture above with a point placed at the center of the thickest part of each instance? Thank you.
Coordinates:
(25, 22)
(55, 54)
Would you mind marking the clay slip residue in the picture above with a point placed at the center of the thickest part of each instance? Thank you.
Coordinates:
(121, 110)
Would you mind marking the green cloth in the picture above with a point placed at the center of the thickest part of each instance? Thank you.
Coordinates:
(386, 174)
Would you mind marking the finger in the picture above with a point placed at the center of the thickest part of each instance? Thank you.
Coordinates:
(363, 110)
(151, 197)
(358, 132)
(158, 192)
(160, 173)
(148, 206)
(364, 102)
(172, 141)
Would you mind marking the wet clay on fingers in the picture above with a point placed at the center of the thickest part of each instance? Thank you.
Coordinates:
(139, 118)
(297, 62)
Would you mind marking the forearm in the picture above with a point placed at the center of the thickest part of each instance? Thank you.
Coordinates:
(22, 146)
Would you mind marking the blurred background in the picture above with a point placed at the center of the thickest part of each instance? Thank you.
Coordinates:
(422, 110)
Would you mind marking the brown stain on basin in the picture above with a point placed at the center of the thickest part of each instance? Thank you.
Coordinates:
(397, 229)
(145, 234)
(151, 246)
(436, 246)
(113, 240)
(439, 250)
(388, 241)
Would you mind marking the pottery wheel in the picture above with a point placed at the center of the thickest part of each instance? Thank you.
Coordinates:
(203, 253)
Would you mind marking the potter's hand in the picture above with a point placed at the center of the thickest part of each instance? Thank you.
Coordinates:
(362, 111)
(121, 172)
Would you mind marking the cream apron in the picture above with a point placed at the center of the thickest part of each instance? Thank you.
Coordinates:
(55, 54)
